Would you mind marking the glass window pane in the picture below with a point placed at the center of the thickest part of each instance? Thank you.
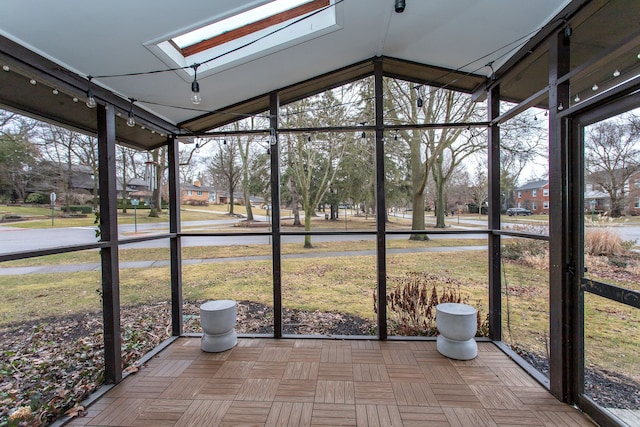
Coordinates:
(328, 289)
(525, 299)
(612, 340)
(524, 172)
(51, 335)
(237, 268)
(418, 269)
(225, 179)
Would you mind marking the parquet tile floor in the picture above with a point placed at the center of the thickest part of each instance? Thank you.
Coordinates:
(267, 382)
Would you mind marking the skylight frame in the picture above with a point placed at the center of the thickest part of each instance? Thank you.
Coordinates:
(324, 18)
(244, 24)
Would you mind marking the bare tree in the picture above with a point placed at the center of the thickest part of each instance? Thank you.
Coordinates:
(429, 149)
(612, 156)
(225, 166)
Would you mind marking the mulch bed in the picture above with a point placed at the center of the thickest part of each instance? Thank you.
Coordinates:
(48, 367)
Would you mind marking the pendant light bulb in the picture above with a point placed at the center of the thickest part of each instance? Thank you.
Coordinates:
(577, 98)
(195, 93)
(91, 101)
(594, 87)
(420, 102)
(616, 73)
(195, 86)
(131, 120)
(5, 67)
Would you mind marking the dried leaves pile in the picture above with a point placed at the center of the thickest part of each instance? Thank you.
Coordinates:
(48, 367)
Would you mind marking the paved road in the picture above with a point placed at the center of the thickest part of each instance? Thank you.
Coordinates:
(14, 239)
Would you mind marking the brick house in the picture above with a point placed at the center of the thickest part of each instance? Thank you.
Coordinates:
(195, 194)
(534, 196)
(633, 192)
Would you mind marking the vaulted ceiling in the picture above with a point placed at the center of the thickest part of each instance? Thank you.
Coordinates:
(58, 45)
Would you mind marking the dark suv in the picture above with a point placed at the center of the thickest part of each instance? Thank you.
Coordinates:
(518, 211)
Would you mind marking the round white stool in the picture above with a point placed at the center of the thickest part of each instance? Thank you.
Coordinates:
(457, 324)
(218, 320)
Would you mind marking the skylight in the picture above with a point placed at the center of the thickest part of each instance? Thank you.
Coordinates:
(237, 21)
(248, 35)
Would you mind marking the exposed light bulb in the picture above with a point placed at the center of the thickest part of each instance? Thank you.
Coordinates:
(75, 99)
(638, 56)
(197, 147)
(560, 107)
(91, 101)
(5, 67)
(364, 135)
(420, 103)
(33, 81)
(616, 73)
(224, 141)
(577, 98)
(131, 120)
(55, 92)
(195, 93)
(594, 87)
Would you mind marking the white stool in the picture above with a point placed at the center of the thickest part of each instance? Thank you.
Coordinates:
(457, 324)
(218, 320)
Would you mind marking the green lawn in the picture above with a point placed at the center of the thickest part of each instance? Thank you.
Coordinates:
(343, 284)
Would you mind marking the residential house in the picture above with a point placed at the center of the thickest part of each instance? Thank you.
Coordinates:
(634, 194)
(534, 196)
(196, 194)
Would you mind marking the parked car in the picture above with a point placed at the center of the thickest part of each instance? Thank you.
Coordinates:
(518, 211)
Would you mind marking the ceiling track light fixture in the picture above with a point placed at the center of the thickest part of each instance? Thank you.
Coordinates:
(400, 5)
(91, 101)
(131, 120)
(195, 86)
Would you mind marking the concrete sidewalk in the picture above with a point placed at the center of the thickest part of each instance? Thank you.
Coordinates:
(70, 268)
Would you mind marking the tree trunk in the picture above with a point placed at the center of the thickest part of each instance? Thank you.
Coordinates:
(308, 211)
(231, 190)
(441, 203)
(417, 220)
(247, 204)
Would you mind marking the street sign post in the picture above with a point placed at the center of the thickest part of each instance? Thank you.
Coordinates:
(52, 197)
(135, 203)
